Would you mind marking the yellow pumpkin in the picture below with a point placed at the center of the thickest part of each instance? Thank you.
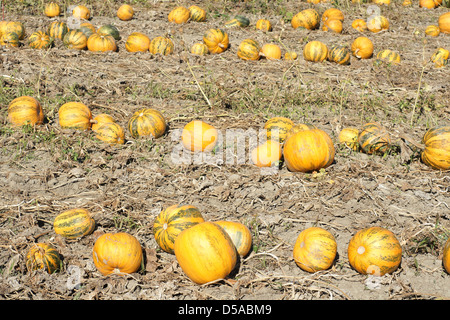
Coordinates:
(249, 49)
(446, 256)
(161, 45)
(315, 51)
(101, 43)
(125, 12)
(216, 40)
(362, 48)
(100, 120)
(197, 14)
(360, 25)
(432, 31)
(239, 234)
(81, 12)
(147, 122)
(198, 136)
(437, 148)
(308, 19)
(349, 137)
(334, 25)
(110, 132)
(263, 25)
(25, 110)
(52, 9)
(75, 115)
(277, 128)
(267, 154)
(332, 14)
(271, 51)
(137, 42)
(179, 15)
(377, 24)
(199, 49)
(440, 57)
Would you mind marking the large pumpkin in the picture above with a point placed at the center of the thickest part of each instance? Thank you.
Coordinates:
(267, 154)
(147, 122)
(75, 115)
(117, 253)
(101, 43)
(300, 127)
(216, 40)
(444, 22)
(43, 256)
(137, 42)
(74, 223)
(308, 19)
(110, 132)
(205, 252)
(362, 48)
(315, 51)
(308, 150)
(39, 40)
(9, 39)
(161, 45)
(374, 251)
(13, 26)
(249, 49)
(75, 39)
(277, 128)
(172, 221)
(437, 148)
(239, 234)
(198, 136)
(25, 110)
(315, 249)
(374, 138)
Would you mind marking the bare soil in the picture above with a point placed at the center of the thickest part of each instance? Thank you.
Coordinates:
(47, 170)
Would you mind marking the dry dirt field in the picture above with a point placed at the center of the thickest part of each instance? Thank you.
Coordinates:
(46, 170)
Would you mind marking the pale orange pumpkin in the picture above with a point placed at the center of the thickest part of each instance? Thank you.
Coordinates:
(267, 154)
(271, 51)
(81, 12)
(444, 22)
(198, 136)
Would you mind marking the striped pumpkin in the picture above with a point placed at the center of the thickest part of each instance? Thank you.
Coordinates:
(137, 42)
(147, 122)
(13, 26)
(199, 49)
(308, 19)
(374, 138)
(437, 148)
(171, 221)
(75, 115)
(179, 15)
(52, 9)
(440, 57)
(110, 132)
(109, 30)
(263, 25)
(389, 56)
(87, 28)
(277, 128)
(315, 51)
(315, 249)
(74, 223)
(197, 14)
(374, 251)
(9, 39)
(75, 39)
(25, 110)
(39, 40)
(239, 234)
(432, 31)
(216, 40)
(339, 55)
(249, 49)
(161, 45)
(101, 43)
(43, 256)
(57, 30)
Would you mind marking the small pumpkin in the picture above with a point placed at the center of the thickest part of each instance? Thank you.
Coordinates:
(125, 12)
(81, 12)
(440, 57)
(216, 40)
(75, 39)
(377, 24)
(315, 51)
(43, 256)
(172, 221)
(117, 253)
(25, 110)
(271, 51)
(238, 21)
(308, 19)
(205, 252)
(137, 42)
(57, 30)
(9, 39)
(263, 25)
(362, 48)
(198, 136)
(389, 56)
(161, 45)
(267, 154)
(315, 249)
(334, 25)
(74, 223)
(39, 40)
(109, 30)
(75, 115)
(375, 251)
(360, 25)
(339, 54)
(308, 150)
(197, 14)
(374, 138)
(432, 31)
(349, 137)
(249, 49)
(147, 122)
(52, 9)
(444, 22)
(290, 55)
(179, 15)
(239, 234)
(101, 43)
(199, 49)
(110, 132)
(437, 148)
(446, 256)
(100, 120)
(277, 128)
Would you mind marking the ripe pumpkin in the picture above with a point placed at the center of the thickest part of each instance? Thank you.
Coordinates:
(308, 19)
(374, 138)
(43, 256)
(81, 12)
(109, 30)
(263, 25)
(198, 136)
(199, 49)
(374, 251)
(15, 27)
(362, 48)
(428, 4)
(25, 110)
(52, 9)
(239, 234)
(444, 22)
(339, 54)
(75, 115)
(101, 43)
(332, 14)
(315, 249)
(446, 256)
(147, 122)
(349, 137)
(440, 57)
(249, 49)
(267, 154)
(110, 132)
(437, 148)
(39, 40)
(334, 25)
(117, 253)
(432, 31)
(277, 128)
(179, 15)
(315, 51)
(197, 14)
(290, 55)
(75, 39)
(300, 127)
(9, 39)
(271, 51)
(57, 30)
(74, 223)
(389, 56)
(161, 45)
(137, 42)
(205, 252)
(377, 24)
(360, 25)
(216, 40)
(172, 221)
(125, 12)
(308, 150)
(100, 120)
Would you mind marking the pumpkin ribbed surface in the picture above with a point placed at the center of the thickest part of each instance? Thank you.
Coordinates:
(52, 9)
(110, 132)
(362, 48)
(75, 115)
(16, 27)
(332, 14)
(101, 119)
(39, 40)
(263, 25)
(334, 25)
(146, 122)
(197, 14)
(308, 19)
(339, 55)
(440, 57)
(315, 51)
(249, 49)
(205, 252)
(74, 223)
(179, 15)
(101, 43)
(172, 221)
(137, 42)
(43, 256)
(25, 110)
(374, 138)
(437, 148)
(57, 30)
(216, 40)
(374, 251)
(444, 22)
(109, 30)
(125, 12)
(9, 39)
(239, 234)
(161, 45)
(277, 128)
(389, 56)
(199, 49)
(75, 39)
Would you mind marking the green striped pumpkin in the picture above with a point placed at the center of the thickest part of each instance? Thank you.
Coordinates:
(315, 51)
(75, 39)
(339, 55)
(171, 221)
(216, 40)
(43, 256)
(437, 148)
(374, 138)
(39, 40)
(57, 30)
(110, 132)
(278, 128)
(9, 39)
(249, 49)
(389, 56)
(199, 49)
(146, 122)
(161, 45)
(308, 19)
(238, 21)
(197, 14)
(109, 29)
(74, 223)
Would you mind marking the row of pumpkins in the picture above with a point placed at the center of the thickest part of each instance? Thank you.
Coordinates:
(217, 40)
